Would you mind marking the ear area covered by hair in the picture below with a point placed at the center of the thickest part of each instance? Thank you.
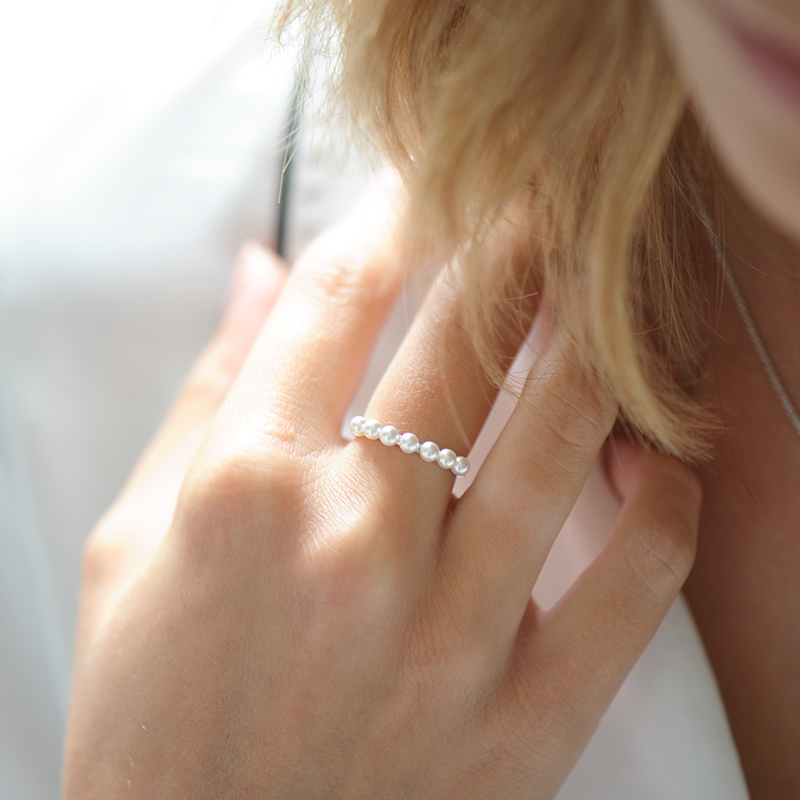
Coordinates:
(556, 123)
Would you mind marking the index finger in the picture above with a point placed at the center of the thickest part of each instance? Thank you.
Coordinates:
(309, 358)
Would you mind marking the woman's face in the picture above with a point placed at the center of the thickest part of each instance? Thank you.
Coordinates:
(742, 60)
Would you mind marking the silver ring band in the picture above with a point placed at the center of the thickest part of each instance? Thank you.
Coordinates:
(409, 443)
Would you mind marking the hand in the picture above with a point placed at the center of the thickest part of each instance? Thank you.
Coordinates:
(322, 618)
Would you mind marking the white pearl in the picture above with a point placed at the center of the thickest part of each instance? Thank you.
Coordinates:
(357, 425)
(409, 443)
(390, 436)
(372, 429)
(461, 466)
(446, 458)
(429, 451)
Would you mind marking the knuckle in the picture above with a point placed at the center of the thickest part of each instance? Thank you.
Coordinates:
(224, 478)
(232, 499)
(356, 566)
(341, 272)
(235, 477)
(569, 429)
(660, 555)
(559, 451)
(574, 412)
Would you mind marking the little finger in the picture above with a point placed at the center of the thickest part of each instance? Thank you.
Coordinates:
(592, 638)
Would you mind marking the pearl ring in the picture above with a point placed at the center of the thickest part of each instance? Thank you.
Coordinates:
(409, 443)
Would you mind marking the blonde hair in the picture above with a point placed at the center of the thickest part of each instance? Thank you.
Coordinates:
(546, 138)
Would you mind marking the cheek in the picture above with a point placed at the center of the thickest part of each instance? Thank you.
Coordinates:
(756, 131)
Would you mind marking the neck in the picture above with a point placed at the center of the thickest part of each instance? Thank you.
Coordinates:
(766, 263)
(744, 589)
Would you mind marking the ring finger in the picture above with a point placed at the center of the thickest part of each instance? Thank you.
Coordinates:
(437, 389)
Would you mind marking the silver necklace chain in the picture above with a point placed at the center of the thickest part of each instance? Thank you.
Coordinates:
(741, 304)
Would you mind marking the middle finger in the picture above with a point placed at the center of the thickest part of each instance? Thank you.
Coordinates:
(310, 356)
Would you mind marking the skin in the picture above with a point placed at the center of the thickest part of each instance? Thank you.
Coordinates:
(292, 633)
(755, 129)
(258, 620)
(744, 590)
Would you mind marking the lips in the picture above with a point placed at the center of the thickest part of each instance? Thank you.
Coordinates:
(776, 61)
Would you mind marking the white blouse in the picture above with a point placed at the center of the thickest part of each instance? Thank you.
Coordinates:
(141, 145)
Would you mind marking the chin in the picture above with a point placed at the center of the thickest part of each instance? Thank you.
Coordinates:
(741, 62)
(764, 160)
